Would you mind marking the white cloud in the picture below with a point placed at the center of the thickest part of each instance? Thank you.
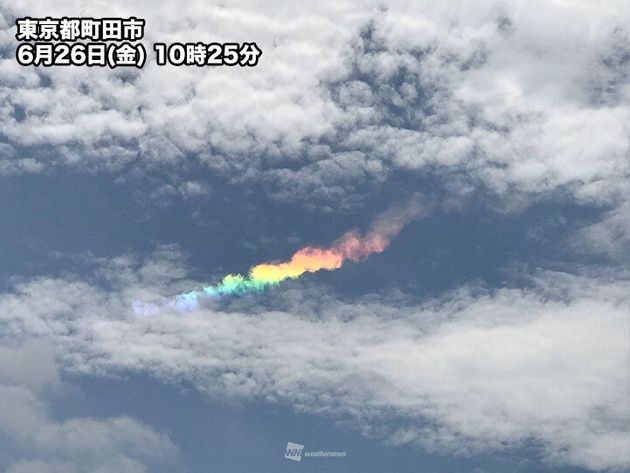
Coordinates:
(33, 442)
(516, 98)
(524, 100)
(473, 371)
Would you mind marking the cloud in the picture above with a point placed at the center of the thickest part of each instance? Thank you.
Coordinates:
(33, 442)
(521, 101)
(473, 371)
(524, 102)
(32, 365)
(609, 237)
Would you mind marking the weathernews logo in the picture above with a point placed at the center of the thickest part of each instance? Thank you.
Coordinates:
(295, 452)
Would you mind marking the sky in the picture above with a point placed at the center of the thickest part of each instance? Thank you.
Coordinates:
(490, 335)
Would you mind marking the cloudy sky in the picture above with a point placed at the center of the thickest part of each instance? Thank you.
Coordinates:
(492, 336)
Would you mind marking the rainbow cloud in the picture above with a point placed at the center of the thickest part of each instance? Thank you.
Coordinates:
(352, 246)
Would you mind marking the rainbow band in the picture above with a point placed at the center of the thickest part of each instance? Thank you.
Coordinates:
(351, 246)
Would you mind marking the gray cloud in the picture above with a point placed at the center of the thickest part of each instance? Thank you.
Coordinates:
(609, 237)
(32, 442)
(473, 371)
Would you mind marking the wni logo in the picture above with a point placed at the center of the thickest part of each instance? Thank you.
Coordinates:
(294, 451)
